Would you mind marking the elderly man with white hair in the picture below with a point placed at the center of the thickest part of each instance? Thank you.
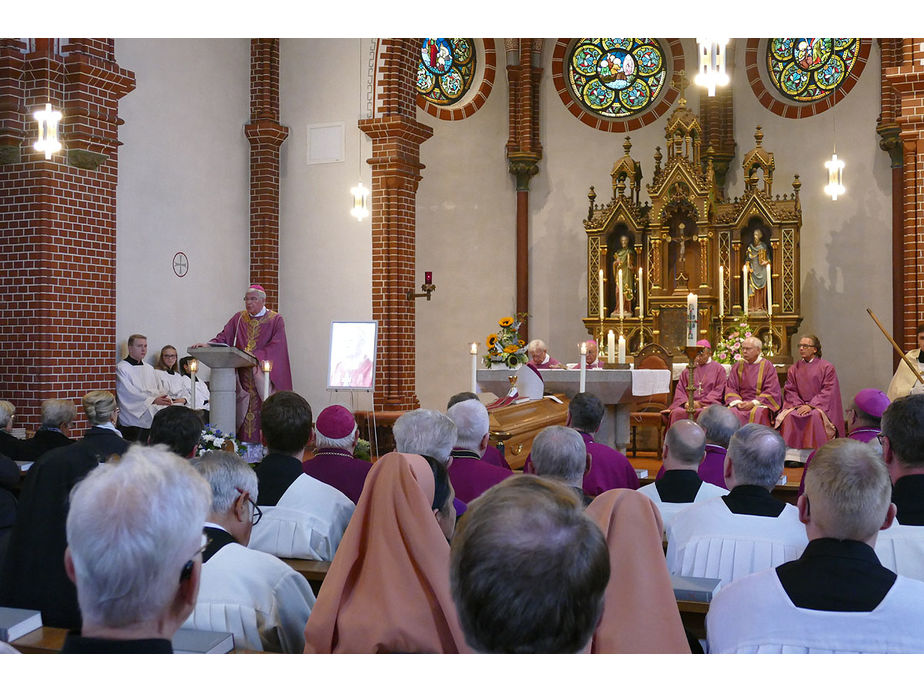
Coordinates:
(752, 391)
(538, 353)
(559, 453)
(470, 475)
(57, 417)
(836, 597)
(134, 534)
(335, 436)
(253, 595)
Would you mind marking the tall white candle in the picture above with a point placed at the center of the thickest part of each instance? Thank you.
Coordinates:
(641, 295)
(769, 291)
(193, 367)
(692, 318)
(744, 289)
(600, 286)
(583, 366)
(622, 349)
(474, 351)
(721, 290)
(619, 281)
(267, 367)
(610, 347)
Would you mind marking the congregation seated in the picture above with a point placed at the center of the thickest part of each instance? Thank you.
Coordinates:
(9, 481)
(683, 452)
(709, 386)
(134, 546)
(335, 435)
(57, 416)
(253, 595)
(302, 517)
(747, 530)
(10, 445)
(836, 597)
(609, 468)
(538, 353)
(32, 576)
(559, 454)
(539, 589)
(812, 412)
(752, 391)
(387, 589)
(177, 427)
(470, 475)
(719, 424)
(169, 377)
(640, 614)
(903, 451)
(491, 455)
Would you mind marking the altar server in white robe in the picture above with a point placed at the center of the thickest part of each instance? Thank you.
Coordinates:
(263, 602)
(684, 450)
(747, 530)
(837, 597)
(140, 393)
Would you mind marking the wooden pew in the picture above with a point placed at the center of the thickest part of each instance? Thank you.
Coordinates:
(50, 640)
(314, 571)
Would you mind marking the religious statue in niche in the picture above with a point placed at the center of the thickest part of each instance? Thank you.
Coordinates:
(757, 256)
(624, 261)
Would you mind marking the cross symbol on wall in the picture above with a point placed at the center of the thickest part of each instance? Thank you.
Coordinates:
(180, 264)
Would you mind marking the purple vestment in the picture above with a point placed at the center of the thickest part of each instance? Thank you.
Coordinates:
(471, 476)
(596, 364)
(864, 434)
(494, 456)
(711, 469)
(709, 380)
(754, 381)
(814, 383)
(609, 468)
(338, 468)
(549, 363)
(265, 338)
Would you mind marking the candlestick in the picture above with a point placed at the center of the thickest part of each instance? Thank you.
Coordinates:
(193, 367)
(601, 294)
(744, 289)
(721, 291)
(267, 367)
(622, 349)
(692, 318)
(583, 366)
(769, 291)
(610, 347)
(641, 295)
(619, 281)
(474, 352)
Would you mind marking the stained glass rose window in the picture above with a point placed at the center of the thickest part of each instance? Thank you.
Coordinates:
(616, 77)
(809, 69)
(446, 69)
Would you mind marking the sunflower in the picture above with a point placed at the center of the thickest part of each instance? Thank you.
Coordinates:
(511, 349)
(521, 343)
(505, 322)
(492, 339)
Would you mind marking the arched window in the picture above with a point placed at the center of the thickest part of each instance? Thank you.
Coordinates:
(446, 69)
(810, 69)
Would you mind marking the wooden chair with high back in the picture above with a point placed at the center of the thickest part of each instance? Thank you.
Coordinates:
(646, 411)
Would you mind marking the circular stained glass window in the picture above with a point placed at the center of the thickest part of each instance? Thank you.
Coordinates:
(446, 69)
(616, 77)
(809, 69)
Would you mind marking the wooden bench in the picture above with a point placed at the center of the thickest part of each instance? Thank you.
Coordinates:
(50, 640)
(314, 571)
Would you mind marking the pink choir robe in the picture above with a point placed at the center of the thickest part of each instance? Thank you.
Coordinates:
(754, 381)
(814, 383)
(709, 380)
(549, 363)
(472, 476)
(265, 338)
(596, 364)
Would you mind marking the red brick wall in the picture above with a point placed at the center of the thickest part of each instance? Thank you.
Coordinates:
(57, 247)
(396, 137)
(266, 135)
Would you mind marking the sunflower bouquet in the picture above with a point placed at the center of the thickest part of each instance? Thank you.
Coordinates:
(505, 346)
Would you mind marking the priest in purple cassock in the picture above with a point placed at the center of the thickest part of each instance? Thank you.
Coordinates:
(591, 357)
(469, 473)
(334, 463)
(709, 383)
(753, 390)
(261, 332)
(812, 411)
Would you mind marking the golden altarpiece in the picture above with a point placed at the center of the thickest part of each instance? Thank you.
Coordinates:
(676, 244)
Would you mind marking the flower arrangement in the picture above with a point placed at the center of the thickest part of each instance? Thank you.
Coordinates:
(505, 346)
(728, 350)
(363, 450)
(214, 439)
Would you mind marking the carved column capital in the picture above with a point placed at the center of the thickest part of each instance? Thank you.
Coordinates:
(890, 141)
(523, 165)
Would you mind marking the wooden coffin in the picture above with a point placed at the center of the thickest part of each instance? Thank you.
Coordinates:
(515, 425)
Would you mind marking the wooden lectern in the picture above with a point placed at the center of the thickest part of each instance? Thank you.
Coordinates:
(223, 362)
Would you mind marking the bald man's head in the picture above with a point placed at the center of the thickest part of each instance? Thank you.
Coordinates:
(684, 445)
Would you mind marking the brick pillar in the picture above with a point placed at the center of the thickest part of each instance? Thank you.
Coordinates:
(58, 222)
(266, 135)
(906, 77)
(524, 149)
(717, 116)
